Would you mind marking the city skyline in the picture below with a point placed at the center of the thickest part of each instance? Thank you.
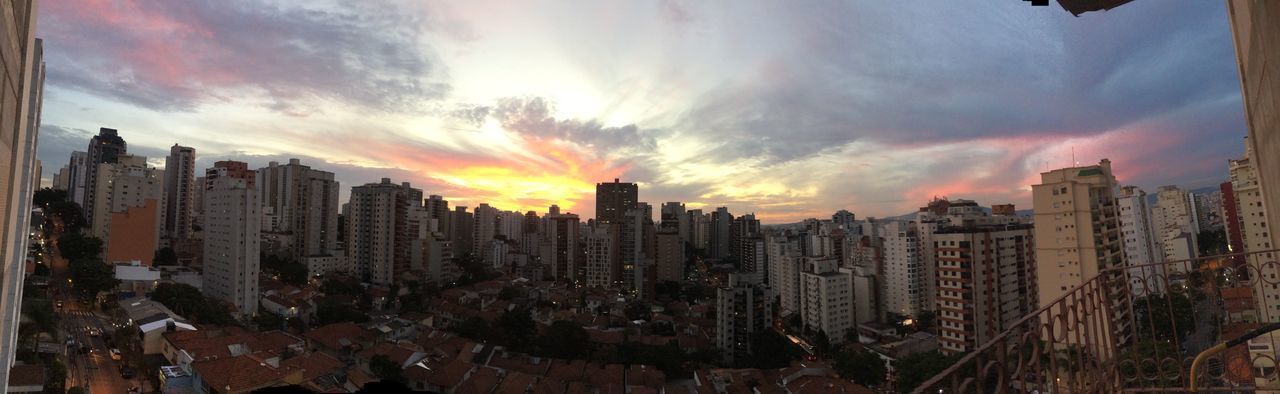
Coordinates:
(479, 104)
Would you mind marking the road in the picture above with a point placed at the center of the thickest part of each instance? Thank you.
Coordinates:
(95, 371)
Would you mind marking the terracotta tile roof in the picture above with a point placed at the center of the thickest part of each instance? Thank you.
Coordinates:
(613, 337)
(314, 365)
(449, 375)
(340, 335)
(359, 378)
(825, 384)
(236, 374)
(26, 375)
(516, 382)
(520, 362)
(647, 376)
(550, 386)
(229, 341)
(606, 378)
(397, 354)
(481, 381)
(566, 370)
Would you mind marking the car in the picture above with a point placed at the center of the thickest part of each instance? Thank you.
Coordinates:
(93, 332)
(126, 372)
(115, 354)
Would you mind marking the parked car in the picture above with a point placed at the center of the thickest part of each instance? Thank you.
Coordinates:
(115, 354)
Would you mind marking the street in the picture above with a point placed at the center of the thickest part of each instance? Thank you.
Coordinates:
(95, 371)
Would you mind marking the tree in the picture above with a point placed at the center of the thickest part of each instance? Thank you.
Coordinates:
(330, 311)
(289, 271)
(565, 339)
(821, 343)
(1212, 242)
(340, 285)
(864, 367)
(385, 369)
(165, 256)
(509, 292)
(92, 276)
(915, 369)
(925, 320)
(473, 327)
(769, 350)
(45, 197)
(637, 310)
(518, 327)
(187, 301)
(667, 290)
(75, 246)
(70, 213)
(1155, 308)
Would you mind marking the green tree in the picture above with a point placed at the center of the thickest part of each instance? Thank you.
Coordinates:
(1156, 308)
(821, 343)
(75, 246)
(925, 320)
(915, 369)
(340, 285)
(289, 271)
(565, 339)
(864, 367)
(770, 350)
(330, 311)
(518, 327)
(70, 213)
(45, 197)
(187, 301)
(1212, 242)
(473, 327)
(637, 310)
(509, 292)
(56, 376)
(91, 276)
(385, 369)
(165, 256)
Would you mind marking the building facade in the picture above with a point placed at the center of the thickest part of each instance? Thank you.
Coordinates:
(232, 235)
(179, 191)
(986, 282)
(382, 229)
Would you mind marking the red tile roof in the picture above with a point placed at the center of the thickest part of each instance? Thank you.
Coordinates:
(396, 354)
(339, 335)
(26, 375)
(237, 374)
(314, 365)
(516, 382)
(647, 376)
(481, 381)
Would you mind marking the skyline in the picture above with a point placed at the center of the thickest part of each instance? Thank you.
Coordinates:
(885, 106)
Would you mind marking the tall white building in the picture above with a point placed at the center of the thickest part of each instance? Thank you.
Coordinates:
(78, 177)
(601, 247)
(23, 79)
(699, 229)
(179, 191)
(233, 225)
(382, 228)
(1172, 216)
(986, 282)
(827, 297)
(126, 184)
(1071, 206)
(904, 279)
(485, 227)
(743, 307)
(1251, 212)
(561, 245)
(304, 202)
(784, 271)
(1137, 235)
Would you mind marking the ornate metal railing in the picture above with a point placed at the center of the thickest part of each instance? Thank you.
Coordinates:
(1136, 329)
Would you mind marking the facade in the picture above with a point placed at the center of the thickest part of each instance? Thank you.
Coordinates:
(233, 224)
(562, 237)
(179, 191)
(484, 227)
(1171, 218)
(104, 148)
(986, 282)
(121, 187)
(77, 177)
(844, 219)
(22, 68)
(669, 256)
(637, 248)
(718, 231)
(1137, 235)
(1248, 225)
(127, 240)
(613, 199)
(904, 279)
(699, 229)
(460, 234)
(382, 229)
(602, 266)
(743, 307)
(827, 292)
(304, 203)
(783, 252)
(1071, 205)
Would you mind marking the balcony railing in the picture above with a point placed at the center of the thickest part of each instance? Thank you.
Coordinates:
(1136, 329)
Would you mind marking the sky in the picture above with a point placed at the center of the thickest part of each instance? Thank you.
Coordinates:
(786, 109)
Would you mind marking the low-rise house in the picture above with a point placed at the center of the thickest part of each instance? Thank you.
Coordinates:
(184, 348)
(403, 356)
(340, 340)
(152, 320)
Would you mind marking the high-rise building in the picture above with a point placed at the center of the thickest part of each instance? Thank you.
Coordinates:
(844, 219)
(104, 148)
(986, 282)
(699, 229)
(601, 268)
(719, 233)
(304, 202)
(562, 240)
(827, 297)
(23, 79)
(233, 225)
(613, 199)
(743, 307)
(382, 228)
(671, 214)
(904, 281)
(1072, 205)
(179, 191)
(740, 229)
(753, 257)
(1172, 219)
(637, 247)
(1249, 229)
(77, 178)
(484, 227)
(61, 179)
(438, 209)
(1137, 236)
(461, 233)
(669, 256)
(783, 251)
(129, 185)
(1208, 208)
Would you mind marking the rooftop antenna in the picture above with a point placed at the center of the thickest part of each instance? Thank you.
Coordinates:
(1073, 156)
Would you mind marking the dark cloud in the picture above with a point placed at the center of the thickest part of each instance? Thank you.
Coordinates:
(533, 117)
(178, 55)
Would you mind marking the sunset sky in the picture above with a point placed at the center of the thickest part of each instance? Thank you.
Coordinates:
(787, 109)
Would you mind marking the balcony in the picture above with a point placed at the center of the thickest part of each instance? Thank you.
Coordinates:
(1134, 329)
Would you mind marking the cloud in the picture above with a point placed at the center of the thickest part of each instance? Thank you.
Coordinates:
(177, 56)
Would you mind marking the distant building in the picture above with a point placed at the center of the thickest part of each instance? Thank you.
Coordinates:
(718, 241)
(1140, 247)
(381, 229)
(305, 204)
(827, 292)
(743, 307)
(669, 256)
(613, 199)
(233, 219)
(844, 219)
(602, 266)
(104, 148)
(1172, 217)
(562, 238)
(179, 191)
(986, 282)
(129, 186)
(904, 279)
